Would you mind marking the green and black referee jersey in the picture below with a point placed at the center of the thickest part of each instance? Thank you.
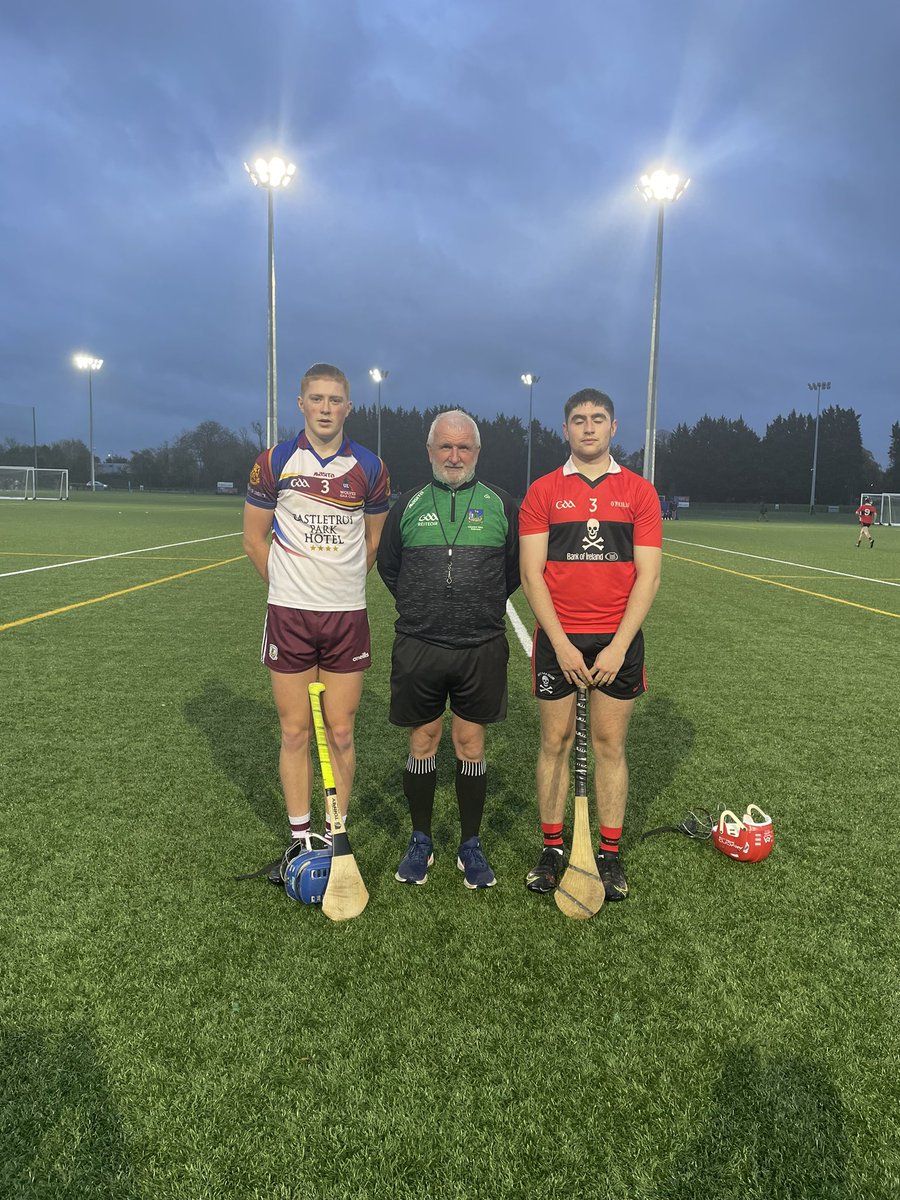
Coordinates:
(450, 558)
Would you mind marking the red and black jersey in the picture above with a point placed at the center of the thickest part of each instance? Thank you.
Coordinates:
(593, 528)
(867, 513)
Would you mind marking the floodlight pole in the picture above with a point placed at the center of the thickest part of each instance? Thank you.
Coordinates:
(378, 376)
(271, 373)
(650, 427)
(530, 380)
(34, 434)
(91, 423)
(271, 174)
(661, 187)
(86, 362)
(818, 389)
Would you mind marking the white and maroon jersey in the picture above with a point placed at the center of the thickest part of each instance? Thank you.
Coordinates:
(867, 513)
(317, 559)
(593, 528)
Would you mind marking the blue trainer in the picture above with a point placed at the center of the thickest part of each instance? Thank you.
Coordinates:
(471, 860)
(418, 858)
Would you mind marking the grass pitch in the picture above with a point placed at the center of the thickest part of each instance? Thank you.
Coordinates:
(728, 1032)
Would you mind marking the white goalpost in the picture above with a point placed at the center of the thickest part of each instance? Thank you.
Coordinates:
(34, 483)
(51, 483)
(887, 503)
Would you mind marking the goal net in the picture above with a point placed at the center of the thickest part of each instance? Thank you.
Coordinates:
(888, 505)
(51, 483)
(16, 483)
(34, 483)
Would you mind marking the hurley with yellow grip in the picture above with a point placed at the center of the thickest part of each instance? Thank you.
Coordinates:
(346, 894)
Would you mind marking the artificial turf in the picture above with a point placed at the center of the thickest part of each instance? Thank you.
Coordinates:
(729, 1031)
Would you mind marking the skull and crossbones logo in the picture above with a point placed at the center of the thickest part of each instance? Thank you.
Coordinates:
(593, 541)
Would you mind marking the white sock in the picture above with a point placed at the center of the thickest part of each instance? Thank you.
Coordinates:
(299, 825)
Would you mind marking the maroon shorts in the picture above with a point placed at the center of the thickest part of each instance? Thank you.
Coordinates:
(296, 639)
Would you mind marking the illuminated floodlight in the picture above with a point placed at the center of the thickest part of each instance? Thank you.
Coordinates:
(270, 172)
(87, 362)
(662, 185)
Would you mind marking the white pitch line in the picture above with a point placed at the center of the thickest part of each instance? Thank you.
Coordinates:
(76, 562)
(521, 632)
(784, 562)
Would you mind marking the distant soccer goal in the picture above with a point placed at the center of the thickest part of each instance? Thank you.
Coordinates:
(16, 483)
(887, 503)
(51, 483)
(34, 483)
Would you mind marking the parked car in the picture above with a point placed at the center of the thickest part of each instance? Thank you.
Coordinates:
(97, 486)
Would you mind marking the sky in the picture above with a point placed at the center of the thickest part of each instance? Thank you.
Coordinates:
(464, 208)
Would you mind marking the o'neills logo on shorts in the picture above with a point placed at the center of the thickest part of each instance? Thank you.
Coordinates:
(360, 657)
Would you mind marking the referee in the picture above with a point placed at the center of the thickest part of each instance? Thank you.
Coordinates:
(449, 554)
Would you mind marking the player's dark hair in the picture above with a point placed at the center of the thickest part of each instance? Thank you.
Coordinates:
(590, 396)
(325, 371)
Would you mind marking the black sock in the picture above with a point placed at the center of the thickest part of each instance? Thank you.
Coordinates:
(471, 789)
(419, 782)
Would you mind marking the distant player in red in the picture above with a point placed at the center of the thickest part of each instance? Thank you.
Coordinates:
(590, 551)
(867, 513)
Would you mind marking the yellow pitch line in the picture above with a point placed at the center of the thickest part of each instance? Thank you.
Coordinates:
(787, 586)
(55, 612)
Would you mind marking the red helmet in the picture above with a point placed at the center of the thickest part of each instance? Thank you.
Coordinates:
(747, 839)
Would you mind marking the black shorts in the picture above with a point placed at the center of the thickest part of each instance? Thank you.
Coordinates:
(424, 677)
(549, 683)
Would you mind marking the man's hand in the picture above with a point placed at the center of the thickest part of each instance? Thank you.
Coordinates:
(572, 664)
(607, 665)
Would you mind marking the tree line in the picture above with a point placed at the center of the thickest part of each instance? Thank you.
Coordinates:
(716, 460)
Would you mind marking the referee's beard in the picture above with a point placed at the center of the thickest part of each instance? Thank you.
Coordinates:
(453, 479)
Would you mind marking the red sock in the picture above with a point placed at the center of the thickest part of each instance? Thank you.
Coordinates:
(552, 834)
(609, 839)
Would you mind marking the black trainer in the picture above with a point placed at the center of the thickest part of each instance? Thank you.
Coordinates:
(612, 872)
(544, 875)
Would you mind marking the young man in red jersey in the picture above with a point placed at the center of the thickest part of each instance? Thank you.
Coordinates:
(867, 512)
(324, 500)
(590, 556)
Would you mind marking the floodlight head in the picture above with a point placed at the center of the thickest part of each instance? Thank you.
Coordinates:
(662, 185)
(377, 375)
(270, 173)
(87, 362)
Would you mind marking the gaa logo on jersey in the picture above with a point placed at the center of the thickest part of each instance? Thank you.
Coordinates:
(564, 504)
(428, 519)
(476, 516)
(299, 484)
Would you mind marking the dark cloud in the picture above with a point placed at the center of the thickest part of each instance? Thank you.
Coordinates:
(464, 208)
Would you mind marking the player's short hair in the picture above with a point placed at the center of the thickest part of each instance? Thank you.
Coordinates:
(590, 396)
(455, 416)
(325, 371)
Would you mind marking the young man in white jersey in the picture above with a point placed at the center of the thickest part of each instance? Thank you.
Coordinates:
(324, 500)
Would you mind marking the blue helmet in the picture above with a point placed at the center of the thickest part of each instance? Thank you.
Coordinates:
(306, 868)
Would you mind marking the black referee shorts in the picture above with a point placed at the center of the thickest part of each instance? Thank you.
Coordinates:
(549, 683)
(424, 677)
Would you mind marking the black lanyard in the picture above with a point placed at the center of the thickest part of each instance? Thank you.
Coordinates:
(447, 542)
